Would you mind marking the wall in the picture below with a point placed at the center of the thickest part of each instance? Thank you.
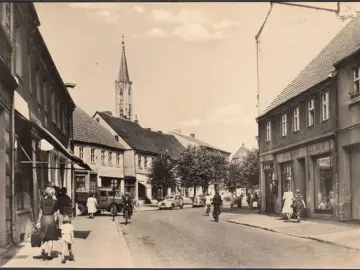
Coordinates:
(305, 132)
(106, 169)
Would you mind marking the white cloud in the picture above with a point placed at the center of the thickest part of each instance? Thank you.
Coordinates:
(188, 16)
(138, 9)
(190, 123)
(225, 24)
(156, 33)
(230, 115)
(108, 16)
(196, 33)
(95, 5)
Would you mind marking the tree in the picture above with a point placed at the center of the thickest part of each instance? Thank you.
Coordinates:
(199, 167)
(250, 168)
(235, 178)
(162, 174)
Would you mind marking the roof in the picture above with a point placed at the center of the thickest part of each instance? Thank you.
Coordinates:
(88, 130)
(123, 72)
(199, 142)
(346, 42)
(238, 154)
(143, 139)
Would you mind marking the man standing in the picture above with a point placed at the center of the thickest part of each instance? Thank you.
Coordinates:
(64, 203)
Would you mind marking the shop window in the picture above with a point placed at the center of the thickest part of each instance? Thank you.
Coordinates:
(324, 194)
(287, 177)
(80, 183)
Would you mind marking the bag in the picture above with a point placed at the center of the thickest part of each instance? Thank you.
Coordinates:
(36, 238)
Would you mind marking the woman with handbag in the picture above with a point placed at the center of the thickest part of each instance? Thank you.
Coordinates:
(47, 223)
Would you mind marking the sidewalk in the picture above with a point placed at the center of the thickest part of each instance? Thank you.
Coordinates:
(332, 232)
(98, 243)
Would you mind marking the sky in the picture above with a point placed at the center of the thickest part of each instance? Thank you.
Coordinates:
(193, 65)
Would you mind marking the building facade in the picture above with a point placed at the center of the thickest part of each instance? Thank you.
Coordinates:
(318, 152)
(38, 141)
(98, 148)
(238, 157)
(142, 145)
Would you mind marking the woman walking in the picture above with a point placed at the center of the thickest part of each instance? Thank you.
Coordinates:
(91, 205)
(47, 223)
(287, 200)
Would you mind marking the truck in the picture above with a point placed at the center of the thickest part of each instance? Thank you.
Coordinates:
(106, 197)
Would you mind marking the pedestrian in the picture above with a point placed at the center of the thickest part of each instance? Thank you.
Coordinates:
(91, 205)
(64, 203)
(67, 237)
(47, 223)
(298, 202)
(287, 204)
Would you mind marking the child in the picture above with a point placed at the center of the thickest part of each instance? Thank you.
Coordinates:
(67, 235)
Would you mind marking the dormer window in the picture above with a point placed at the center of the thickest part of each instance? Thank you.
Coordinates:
(117, 138)
(97, 119)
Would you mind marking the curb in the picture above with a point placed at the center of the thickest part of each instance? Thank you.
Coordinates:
(126, 247)
(292, 234)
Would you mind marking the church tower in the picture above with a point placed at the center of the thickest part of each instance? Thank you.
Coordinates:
(123, 93)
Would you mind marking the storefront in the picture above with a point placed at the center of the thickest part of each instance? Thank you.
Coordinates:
(324, 193)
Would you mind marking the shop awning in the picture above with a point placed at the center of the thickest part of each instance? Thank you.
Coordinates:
(50, 138)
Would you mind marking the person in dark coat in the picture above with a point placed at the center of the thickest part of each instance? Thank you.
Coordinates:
(47, 223)
(217, 202)
(64, 203)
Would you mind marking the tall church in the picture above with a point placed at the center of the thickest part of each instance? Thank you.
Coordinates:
(123, 93)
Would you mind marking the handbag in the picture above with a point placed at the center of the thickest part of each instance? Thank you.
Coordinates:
(36, 238)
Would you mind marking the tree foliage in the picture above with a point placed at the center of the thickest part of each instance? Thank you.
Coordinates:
(162, 174)
(235, 178)
(199, 167)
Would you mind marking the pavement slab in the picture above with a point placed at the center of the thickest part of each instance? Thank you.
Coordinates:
(98, 243)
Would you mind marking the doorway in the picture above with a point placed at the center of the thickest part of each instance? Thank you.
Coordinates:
(271, 188)
(355, 182)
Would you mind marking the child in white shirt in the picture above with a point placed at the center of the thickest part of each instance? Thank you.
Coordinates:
(67, 236)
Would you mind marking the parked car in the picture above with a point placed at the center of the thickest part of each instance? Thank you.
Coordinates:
(199, 201)
(171, 201)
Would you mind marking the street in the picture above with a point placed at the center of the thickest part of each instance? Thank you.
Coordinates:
(187, 238)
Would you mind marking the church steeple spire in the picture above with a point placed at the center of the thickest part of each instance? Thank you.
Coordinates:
(123, 91)
(123, 72)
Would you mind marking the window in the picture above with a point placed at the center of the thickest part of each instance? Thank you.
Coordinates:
(45, 89)
(296, 122)
(65, 123)
(284, 125)
(18, 50)
(53, 106)
(80, 183)
(311, 112)
(102, 157)
(81, 152)
(117, 159)
(46, 120)
(145, 162)
(325, 106)
(356, 90)
(92, 155)
(117, 138)
(5, 14)
(30, 72)
(139, 161)
(268, 131)
(58, 115)
(38, 88)
(97, 119)
(110, 158)
(324, 195)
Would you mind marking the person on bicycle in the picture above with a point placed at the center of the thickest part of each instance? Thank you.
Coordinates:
(207, 201)
(217, 202)
(127, 200)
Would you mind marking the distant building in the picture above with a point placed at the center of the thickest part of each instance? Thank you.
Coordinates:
(238, 157)
(97, 147)
(142, 145)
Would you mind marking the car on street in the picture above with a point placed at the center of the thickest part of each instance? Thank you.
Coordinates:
(199, 201)
(171, 201)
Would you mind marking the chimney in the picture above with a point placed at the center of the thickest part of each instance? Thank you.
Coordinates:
(149, 129)
(136, 119)
(192, 135)
(243, 144)
(159, 131)
(177, 131)
(70, 85)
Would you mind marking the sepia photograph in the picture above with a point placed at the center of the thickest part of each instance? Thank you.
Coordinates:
(179, 134)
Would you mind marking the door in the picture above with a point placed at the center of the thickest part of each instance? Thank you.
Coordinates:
(103, 199)
(270, 196)
(355, 182)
